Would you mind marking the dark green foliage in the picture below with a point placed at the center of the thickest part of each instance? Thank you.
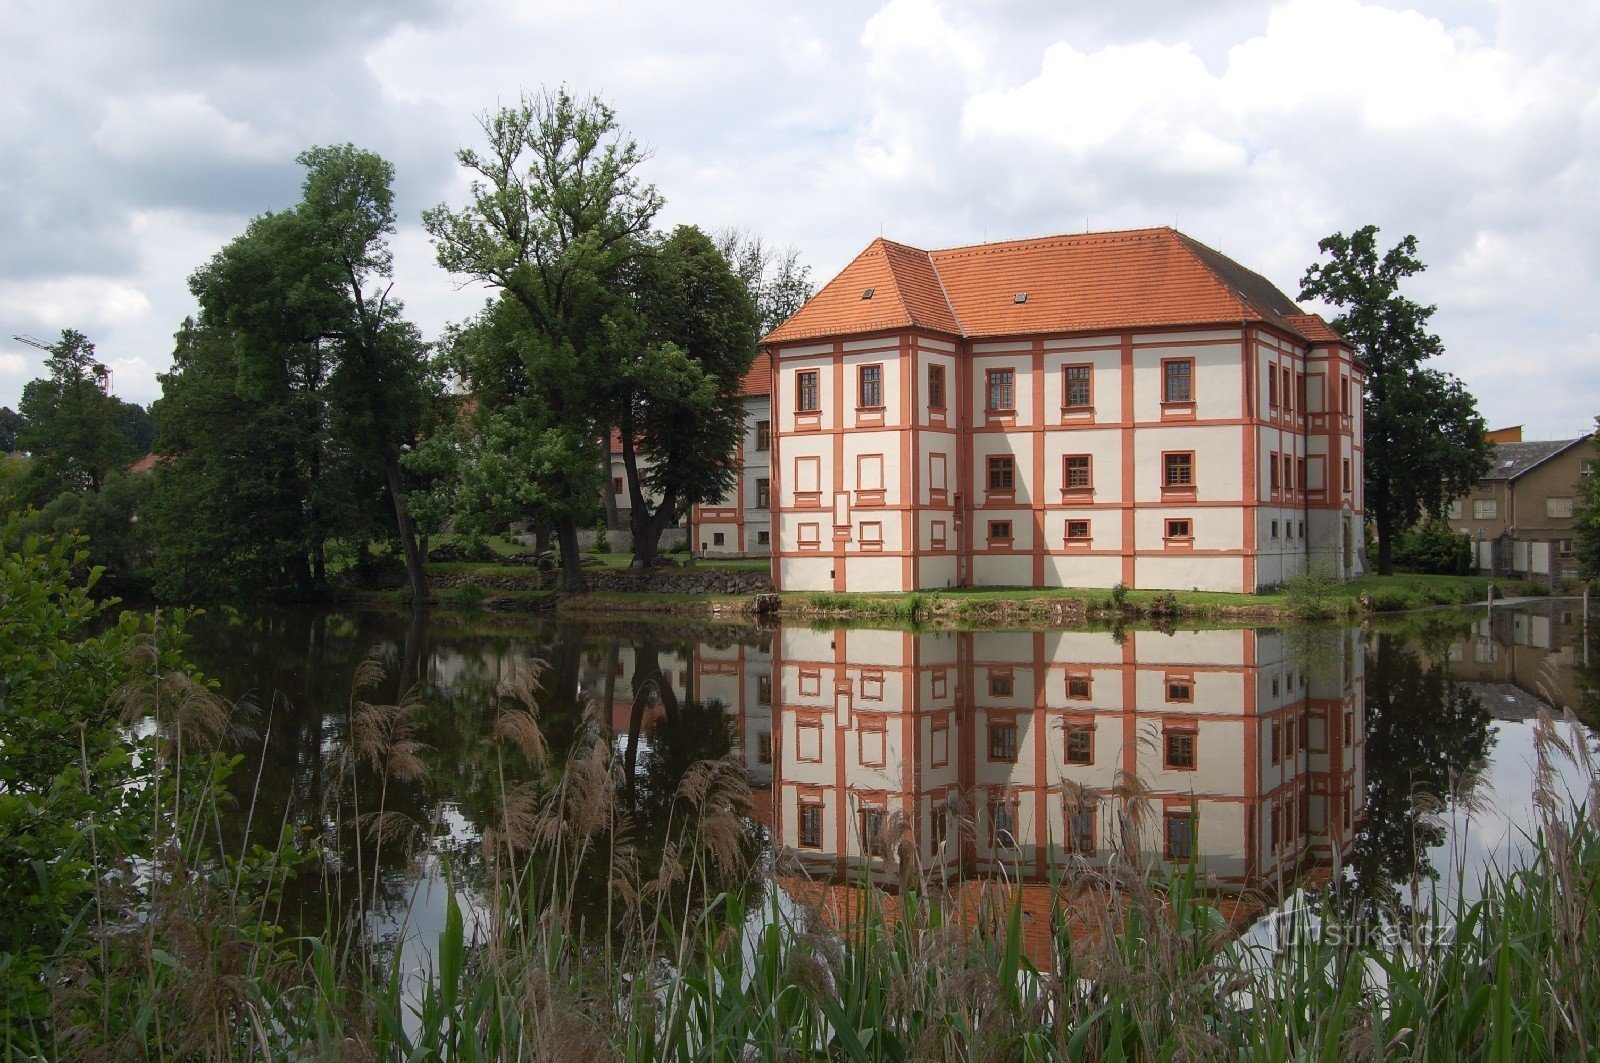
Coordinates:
(677, 399)
(10, 425)
(1586, 543)
(70, 424)
(1424, 438)
(115, 537)
(289, 403)
(1434, 547)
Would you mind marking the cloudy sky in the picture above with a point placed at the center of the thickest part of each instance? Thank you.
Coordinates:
(137, 138)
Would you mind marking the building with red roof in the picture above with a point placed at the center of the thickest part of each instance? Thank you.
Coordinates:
(1082, 410)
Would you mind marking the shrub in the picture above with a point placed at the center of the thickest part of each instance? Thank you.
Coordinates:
(1435, 548)
(468, 596)
(1310, 591)
(602, 536)
(1119, 596)
(1390, 601)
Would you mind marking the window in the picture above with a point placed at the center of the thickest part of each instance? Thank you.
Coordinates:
(1177, 469)
(939, 826)
(763, 690)
(1076, 392)
(806, 398)
(872, 533)
(1272, 470)
(616, 485)
(999, 531)
(811, 826)
(935, 387)
(1274, 529)
(763, 493)
(872, 821)
(1454, 510)
(718, 539)
(1003, 822)
(1180, 688)
(1180, 835)
(1078, 687)
(1344, 395)
(1558, 507)
(1272, 387)
(1001, 684)
(1299, 390)
(1302, 529)
(1288, 398)
(1564, 547)
(1177, 380)
(1077, 531)
(1002, 473)
(1003, 741)
(1485, 509)
(1078, 474)
(1080, 744)
(1180, 528)
(763, 435)
(1180, 750)
(1002, 391)
(764, 538)
(869, 390)
(764, 747)
(1080, 829)
(1288, 473)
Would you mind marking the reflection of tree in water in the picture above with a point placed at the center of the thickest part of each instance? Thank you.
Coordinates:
(298, 665)
(1428, 738)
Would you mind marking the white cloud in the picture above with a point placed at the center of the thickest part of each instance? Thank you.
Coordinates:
(13, 365)
(135, 146)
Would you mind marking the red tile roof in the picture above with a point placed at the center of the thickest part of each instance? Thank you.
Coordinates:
(758, 381)
(1138, 278)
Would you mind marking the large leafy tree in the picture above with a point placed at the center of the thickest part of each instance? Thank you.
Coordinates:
(381, 383)
(291, 400)
(677, 397)
(67, 421)
(1424, 439)
(555, 218)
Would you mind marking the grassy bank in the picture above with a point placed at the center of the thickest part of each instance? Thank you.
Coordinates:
(987, 607)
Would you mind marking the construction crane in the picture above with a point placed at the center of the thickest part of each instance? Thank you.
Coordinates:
(31, 342)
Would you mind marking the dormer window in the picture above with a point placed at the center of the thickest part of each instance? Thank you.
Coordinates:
(1020, 298)
(868, 293)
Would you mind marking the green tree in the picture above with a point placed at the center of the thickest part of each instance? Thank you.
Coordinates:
(67, 421)
(10, 425)
(292, 400)
(554, 218)
(1424, 439)
(678, 398)
(1586, 543)
(381, 382)
(134, 431)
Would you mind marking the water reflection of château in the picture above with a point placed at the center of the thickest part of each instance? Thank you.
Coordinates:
(1000, 752)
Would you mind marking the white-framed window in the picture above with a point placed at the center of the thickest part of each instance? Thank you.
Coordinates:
(1560, 508)
(1485, 509)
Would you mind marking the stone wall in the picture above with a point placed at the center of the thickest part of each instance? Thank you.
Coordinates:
(687, 581)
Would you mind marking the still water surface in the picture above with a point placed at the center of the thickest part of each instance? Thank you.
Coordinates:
(1270, 755)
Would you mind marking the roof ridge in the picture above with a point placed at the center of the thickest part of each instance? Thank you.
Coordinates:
(1049, 237)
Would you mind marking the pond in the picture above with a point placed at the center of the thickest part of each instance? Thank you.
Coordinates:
(1272, 757)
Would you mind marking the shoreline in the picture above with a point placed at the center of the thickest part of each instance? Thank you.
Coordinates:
(973, 607)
